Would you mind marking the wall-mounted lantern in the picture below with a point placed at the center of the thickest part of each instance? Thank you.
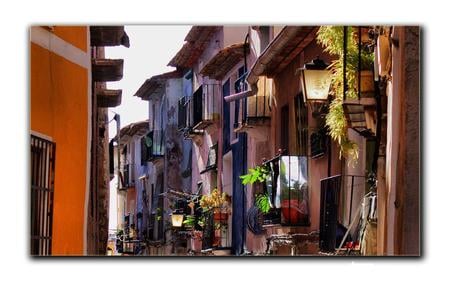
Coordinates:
(316, 81)
(177, 219)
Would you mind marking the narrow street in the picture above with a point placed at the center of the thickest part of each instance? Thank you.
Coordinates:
(227, 140)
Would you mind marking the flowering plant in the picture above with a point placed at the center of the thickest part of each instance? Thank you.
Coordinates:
(216, 199)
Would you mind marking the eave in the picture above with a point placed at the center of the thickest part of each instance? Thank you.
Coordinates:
(224, 61)
(197, 41)
(155, 84)
(281, 51)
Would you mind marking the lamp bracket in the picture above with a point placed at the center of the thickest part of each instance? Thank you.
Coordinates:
(318, 109)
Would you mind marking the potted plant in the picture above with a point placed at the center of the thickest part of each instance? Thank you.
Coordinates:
(218, 202)
(196, 240)
(191, 223)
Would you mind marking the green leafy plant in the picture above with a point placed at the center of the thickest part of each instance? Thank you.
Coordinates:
(332, 39)
(262, 202)
(257, 174)
(189, 221)
(158, 214)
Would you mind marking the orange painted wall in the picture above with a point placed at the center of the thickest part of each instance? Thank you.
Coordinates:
(75, 35)
(59, 109)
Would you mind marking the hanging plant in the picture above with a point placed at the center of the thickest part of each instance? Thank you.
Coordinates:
(332, 39)
(262, 202)
(257, 174)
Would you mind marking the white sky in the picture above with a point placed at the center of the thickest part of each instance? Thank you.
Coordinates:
(151, 48)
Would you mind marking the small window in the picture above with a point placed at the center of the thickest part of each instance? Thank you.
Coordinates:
(211, 163)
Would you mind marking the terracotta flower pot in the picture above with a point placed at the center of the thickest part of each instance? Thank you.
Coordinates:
(217, 237)
(293, 212)
(196, 245)
(221, 217)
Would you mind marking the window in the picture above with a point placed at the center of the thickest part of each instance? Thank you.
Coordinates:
(42, 188)
(301, 117)
(146, 149)
(285, 128)
(211, 163)
(182, 113)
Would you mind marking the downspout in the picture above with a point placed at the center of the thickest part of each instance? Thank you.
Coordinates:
(244, 159)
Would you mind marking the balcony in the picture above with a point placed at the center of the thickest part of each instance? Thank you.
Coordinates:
(186, 118)
(109, 36)
(126, 177)
(253, 110)
(205, 106)
(108, 98)
(340, 199)
(287, 190)
(104, 70)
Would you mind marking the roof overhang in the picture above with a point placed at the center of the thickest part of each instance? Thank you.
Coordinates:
(196, 42)
(224, 61)
(155, 84)
(134, 129)
(281, 51)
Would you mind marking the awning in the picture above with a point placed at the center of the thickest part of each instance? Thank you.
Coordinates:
(224, 61)
(155, 84)
(281, 51)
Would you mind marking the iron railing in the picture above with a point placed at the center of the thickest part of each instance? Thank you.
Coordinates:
(339, 201)
(42, 189)
(329, 201)
(255, 108)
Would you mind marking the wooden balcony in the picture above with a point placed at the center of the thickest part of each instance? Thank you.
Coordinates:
(109, 36)
(104, 70)
(205, 107)
(108, 98)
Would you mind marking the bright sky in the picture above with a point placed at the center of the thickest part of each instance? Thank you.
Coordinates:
(151, 48)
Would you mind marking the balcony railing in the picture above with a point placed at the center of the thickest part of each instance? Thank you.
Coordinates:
(287, 189)
(340, 197)
(253, 109)
(205, 106)
(186, 117)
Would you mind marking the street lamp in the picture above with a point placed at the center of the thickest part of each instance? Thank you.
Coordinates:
(177, 219)
(316, 81)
